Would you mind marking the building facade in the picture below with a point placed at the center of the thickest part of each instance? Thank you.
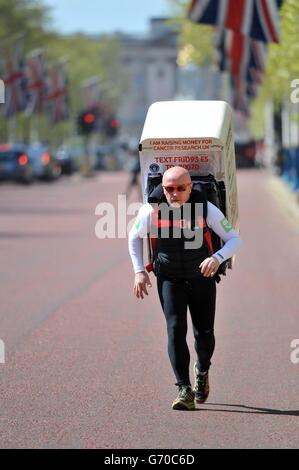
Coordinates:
(150, 67)
(152, 74)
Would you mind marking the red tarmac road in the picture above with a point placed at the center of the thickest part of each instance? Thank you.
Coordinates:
(86, 363)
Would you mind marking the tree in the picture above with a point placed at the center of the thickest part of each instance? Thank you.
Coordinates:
(86, 57)
(196, 45)
(282, 66)
(195, 40)
(26, 17)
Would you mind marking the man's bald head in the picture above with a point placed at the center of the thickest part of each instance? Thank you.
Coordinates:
(176, 175)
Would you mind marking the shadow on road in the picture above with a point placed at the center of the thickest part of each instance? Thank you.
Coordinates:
(254, 410)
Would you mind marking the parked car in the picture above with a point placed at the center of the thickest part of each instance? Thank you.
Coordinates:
(45, 165)
(15, 164)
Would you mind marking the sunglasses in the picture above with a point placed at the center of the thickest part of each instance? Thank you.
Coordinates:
(180, 188)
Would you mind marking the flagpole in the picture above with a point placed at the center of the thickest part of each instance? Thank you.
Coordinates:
(36, 68)
(36, 127)
(12, 126)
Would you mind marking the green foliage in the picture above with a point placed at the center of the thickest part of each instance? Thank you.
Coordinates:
(88, 58)
(283, 61)
(195, 40)
(196, 45)
(85, 57)
(26, 17)
(282, 65)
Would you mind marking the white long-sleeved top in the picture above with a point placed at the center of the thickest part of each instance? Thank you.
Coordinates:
(216, 220)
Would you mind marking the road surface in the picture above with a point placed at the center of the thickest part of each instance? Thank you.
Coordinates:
(86, 363)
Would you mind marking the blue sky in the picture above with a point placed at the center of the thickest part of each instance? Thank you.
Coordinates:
(97, 16)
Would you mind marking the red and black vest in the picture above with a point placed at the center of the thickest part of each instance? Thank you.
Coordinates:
(172, 231)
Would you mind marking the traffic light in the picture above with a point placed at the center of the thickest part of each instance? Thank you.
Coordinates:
(87, 122)
(112, 126)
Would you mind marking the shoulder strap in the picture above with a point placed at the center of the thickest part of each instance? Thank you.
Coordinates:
(156, 195)
(199, 195)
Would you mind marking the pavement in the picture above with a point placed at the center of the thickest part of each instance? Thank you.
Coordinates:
(86, 363)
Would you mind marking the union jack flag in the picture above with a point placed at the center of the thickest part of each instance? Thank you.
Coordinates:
(241, 55)
(254, 76)
(15, 81)
(258, 19)
(258, 55)
(238, 52)
(240, 97)
(57, 94)
(251, 89)
(36, 82)
(244, 59)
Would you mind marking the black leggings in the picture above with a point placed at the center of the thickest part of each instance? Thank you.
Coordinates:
(175, 296)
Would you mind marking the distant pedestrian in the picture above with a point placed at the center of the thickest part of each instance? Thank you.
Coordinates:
(134, 168)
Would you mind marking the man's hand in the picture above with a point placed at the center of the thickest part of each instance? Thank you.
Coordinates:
(141, 282)
(209, 267)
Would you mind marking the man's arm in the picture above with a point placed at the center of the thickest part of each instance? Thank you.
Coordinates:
(136, 235)
(217, 221)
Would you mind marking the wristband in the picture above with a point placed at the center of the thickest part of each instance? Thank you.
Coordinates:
(216, 255)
